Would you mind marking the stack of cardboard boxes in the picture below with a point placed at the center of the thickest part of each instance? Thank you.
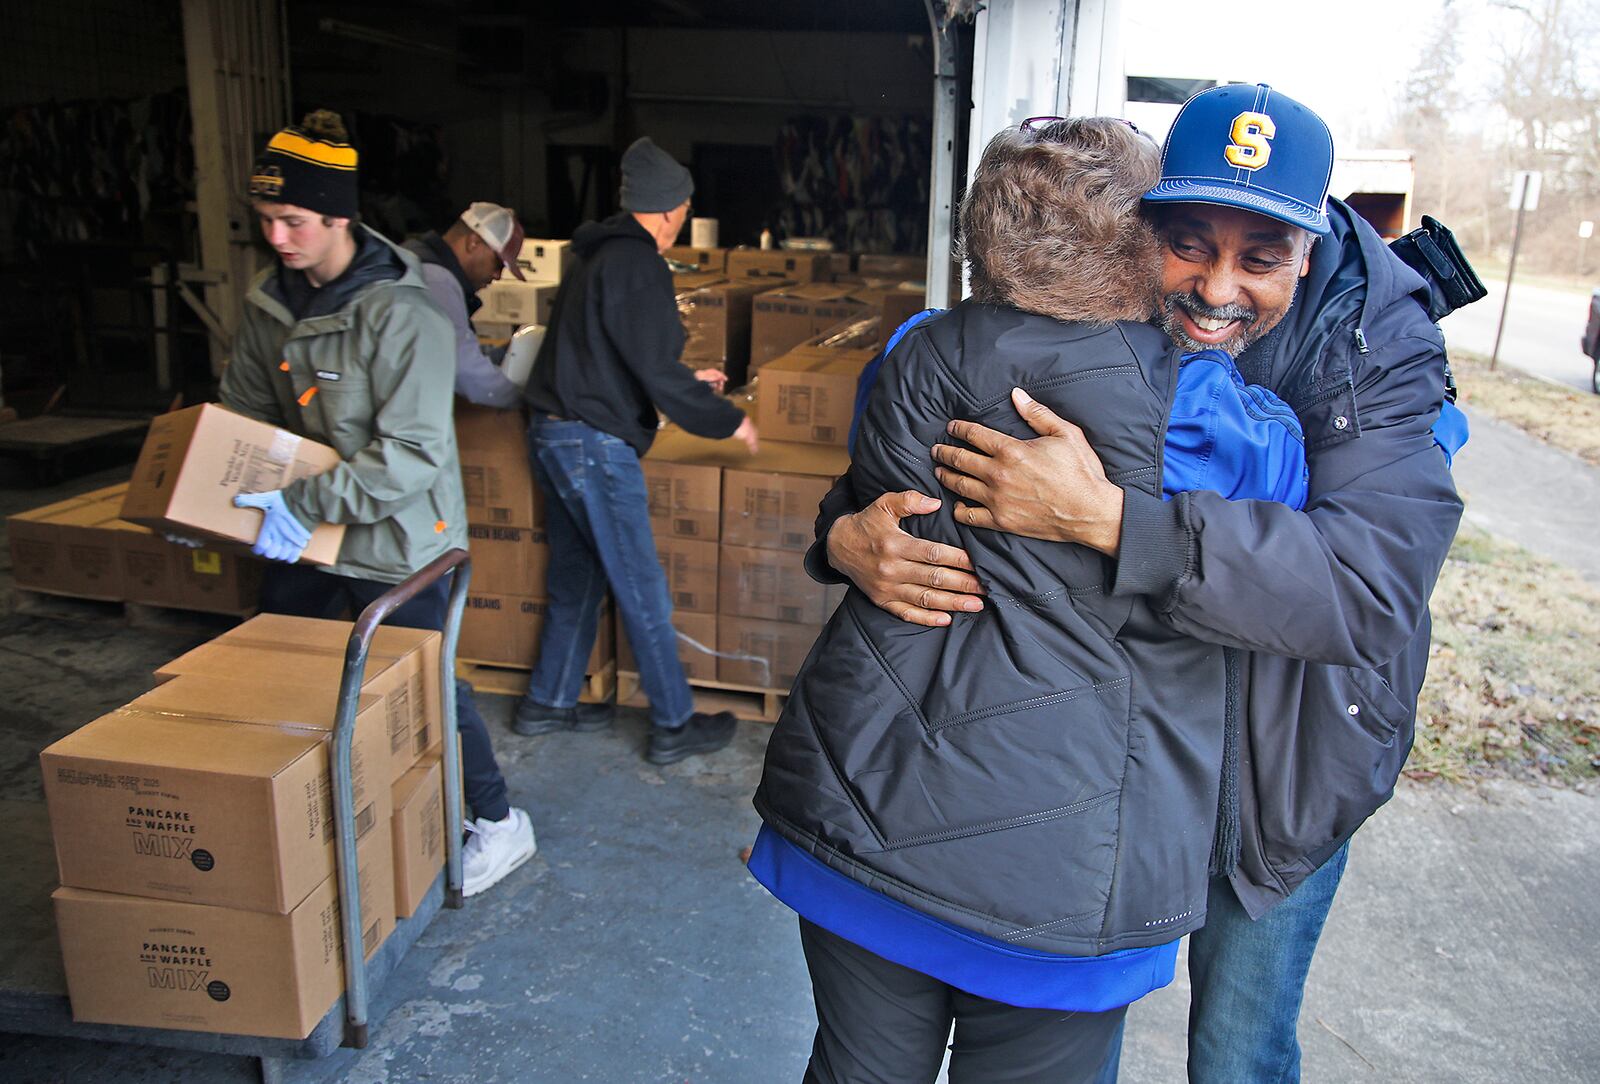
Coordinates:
(731, 530)
(509, 302)
(194, 829)
(505, 517)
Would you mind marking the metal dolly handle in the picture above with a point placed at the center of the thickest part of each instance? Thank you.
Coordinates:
(355, 663)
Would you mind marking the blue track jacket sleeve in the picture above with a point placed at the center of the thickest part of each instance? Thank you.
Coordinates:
(1347, 580)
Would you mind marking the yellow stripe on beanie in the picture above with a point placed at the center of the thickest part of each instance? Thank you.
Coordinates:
(318, 152)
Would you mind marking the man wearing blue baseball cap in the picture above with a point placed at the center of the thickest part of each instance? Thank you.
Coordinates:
(1323, 610)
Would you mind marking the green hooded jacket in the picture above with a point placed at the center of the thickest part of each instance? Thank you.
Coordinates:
(371, 374)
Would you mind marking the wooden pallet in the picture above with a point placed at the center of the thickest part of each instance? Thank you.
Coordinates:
(137, 614)
(507, 680)
(750, 702)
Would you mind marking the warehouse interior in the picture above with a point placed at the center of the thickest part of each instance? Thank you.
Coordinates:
(633, 946)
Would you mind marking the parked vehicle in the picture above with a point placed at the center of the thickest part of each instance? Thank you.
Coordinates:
(1591, 340)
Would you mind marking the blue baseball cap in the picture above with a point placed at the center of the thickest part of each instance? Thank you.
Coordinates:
(1252, 148)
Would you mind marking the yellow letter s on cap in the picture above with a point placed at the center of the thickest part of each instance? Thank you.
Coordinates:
(1250, 149)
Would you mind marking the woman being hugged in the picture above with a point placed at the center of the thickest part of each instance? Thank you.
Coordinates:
(1006, 822)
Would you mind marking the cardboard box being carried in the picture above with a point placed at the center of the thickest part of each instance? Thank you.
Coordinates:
(772, 584)
(153, 963)
(222, 812)
(546, 260)
(195, 461)
(495, 472)
(418, 833)
(784, 318)
(507, 301)
(795, 265)
(809, 394)
(503, 630)
(763, 654)
(701, 259)
(697, 646)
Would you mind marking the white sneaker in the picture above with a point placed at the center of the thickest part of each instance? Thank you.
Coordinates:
(494, 849)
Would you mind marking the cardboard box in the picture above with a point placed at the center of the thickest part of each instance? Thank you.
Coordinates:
(702, 259)
(716, 320)
(507, 301)
(495, 472)
(184, 807)
(762, 654)
(769, 510)
(795, 265)
(895, 306)
(772, 584)
(841, 265)
(673, 445)
(417, 651)
(418, 833)
(697, 646)
(545, 259)
(195, 461)
(784, 318)
(392, 680)
(503, 630)
(162, 573)
(691, 569)
(508, 560)
(257, 700)
(685, 498)
(164, 964)
(874, 266)
(809, 394)
(67, 549)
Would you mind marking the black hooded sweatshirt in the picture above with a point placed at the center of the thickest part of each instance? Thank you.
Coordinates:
(610, 357)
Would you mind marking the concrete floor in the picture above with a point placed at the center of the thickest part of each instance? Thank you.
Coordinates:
(635, 948)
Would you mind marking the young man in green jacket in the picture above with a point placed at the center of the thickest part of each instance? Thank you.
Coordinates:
(340, 342)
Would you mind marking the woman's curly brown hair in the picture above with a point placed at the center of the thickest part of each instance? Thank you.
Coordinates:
(1051, 222)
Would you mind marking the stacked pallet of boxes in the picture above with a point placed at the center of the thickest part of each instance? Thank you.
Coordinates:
(505, 525)
(83, 548)
(732, 530)
(717, 313)
(194, 829)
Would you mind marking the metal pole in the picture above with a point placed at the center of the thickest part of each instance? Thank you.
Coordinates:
(344, 799)
(453, 815)
(942, 180)
(1511, 269)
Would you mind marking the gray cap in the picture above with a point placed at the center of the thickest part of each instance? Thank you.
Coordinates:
(652, 180)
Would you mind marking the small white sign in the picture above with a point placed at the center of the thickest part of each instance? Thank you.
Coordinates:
(1586, 229)
(1525, 189)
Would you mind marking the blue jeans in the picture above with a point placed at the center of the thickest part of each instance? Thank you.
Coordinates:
(597, 524)
(1246, 982)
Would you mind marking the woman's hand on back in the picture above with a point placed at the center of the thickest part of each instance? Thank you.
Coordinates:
(914, 579)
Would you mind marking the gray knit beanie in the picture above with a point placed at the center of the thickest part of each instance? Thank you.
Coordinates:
(652, 180)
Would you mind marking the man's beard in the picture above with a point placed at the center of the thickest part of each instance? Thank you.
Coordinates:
(1250, 329)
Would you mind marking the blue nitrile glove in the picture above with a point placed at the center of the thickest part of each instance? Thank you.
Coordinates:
(282, 537)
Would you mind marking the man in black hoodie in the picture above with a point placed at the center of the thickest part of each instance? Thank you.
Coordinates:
(608, 365)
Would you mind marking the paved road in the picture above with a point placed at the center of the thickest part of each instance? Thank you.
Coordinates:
(1543, 327)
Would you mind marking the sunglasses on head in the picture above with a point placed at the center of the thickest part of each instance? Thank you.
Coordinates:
(1035, 125)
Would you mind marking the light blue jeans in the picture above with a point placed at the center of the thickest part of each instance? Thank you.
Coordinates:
(1246, 982)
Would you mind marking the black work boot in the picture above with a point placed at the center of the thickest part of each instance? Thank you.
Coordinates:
(533, 718)
(701, 734)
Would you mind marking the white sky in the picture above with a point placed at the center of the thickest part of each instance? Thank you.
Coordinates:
(1346, 59)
